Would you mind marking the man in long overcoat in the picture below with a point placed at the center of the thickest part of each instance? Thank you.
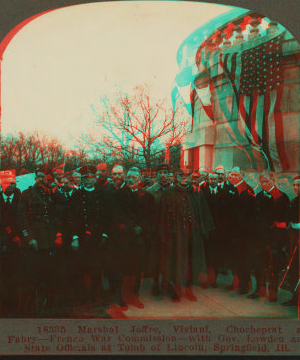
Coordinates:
(39, 233)
(145, 218)
(184, 220)
(90, 222)
(125, 232)
(157, 190)
(271, 217)
(10, 250)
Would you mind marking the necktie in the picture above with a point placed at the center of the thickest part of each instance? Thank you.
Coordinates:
(8, 200)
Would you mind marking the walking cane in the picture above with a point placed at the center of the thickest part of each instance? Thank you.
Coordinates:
(297, 286)
(288, 267)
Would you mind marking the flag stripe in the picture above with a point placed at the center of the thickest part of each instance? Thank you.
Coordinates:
(265, 130)
(279, 130)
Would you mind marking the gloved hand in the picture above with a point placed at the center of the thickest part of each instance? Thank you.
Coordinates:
(17, 240)
(137, 230)
(75, 243)
(104, 239)
(33, 244)
(58, 241)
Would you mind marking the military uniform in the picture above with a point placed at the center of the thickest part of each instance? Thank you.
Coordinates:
(145, 215)
(10, 254)
(90, 218)
(184, 221)
(65, 261)
(37, 222)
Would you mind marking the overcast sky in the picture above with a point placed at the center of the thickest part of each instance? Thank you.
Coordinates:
(62, 62)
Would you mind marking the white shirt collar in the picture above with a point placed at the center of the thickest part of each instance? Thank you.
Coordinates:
(270, 189)
(120, 187)
(236, 185)
(90, 189)
(10, 196)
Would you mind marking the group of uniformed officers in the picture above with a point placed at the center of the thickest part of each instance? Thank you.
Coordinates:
(71, 239)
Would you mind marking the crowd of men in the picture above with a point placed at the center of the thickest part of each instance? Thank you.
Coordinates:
(72, 239)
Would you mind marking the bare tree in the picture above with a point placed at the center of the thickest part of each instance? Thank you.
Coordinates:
(29, 150)
(135, 126)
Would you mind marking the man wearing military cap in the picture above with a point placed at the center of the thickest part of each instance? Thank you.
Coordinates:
(184, 221)
(102, 174)
(157, 190)
(40, 236)
(65, 258)
(58, 175)
(90, 221)
(75, 179)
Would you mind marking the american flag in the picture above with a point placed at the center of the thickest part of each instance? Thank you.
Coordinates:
(247, 85)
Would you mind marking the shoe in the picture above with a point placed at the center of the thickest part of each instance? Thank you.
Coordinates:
(138, 304)
(123, 304)
(155, 291)
(253, 296)
(190, 295)
(105, 305)
(172, 293)
(175, 298)
(242, 291)
(292, 302)
(214, 285)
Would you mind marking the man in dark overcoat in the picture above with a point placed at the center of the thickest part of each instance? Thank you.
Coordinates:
(242, 232)
(66, 259)
(39, 233)
(91, 226)
(10, 250)
(157, 190)
(145, 218)
(215, 246)
(271, 217)
(125, 231)
(184, 220)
